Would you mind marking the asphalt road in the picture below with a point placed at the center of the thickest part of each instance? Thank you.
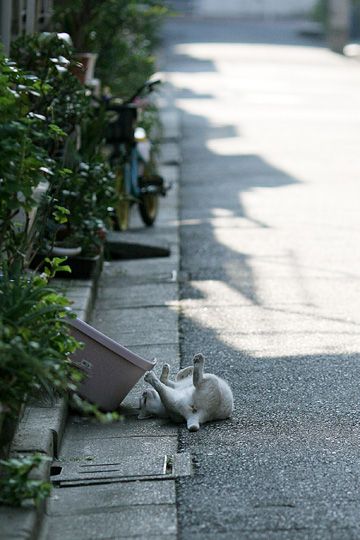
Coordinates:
(270, 223)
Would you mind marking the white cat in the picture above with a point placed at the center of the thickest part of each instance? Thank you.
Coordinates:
(194, 396)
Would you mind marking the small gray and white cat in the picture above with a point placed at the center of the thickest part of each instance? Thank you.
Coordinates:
(194, 396)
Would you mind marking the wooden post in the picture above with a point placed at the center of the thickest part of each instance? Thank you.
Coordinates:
(339, 24)
(5, 24)
(30, 16)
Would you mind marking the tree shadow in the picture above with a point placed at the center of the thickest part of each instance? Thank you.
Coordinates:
(288, 458)
(188, 64)
(287, 463)
(236, 30)
(204, 201)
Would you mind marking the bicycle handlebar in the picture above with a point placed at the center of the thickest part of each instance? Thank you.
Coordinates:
(111, 104)
(148, 85)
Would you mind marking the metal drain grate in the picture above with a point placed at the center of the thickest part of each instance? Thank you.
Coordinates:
(127, 470)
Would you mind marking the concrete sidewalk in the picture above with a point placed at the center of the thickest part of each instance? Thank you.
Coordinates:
(118, 480)
(137, 305)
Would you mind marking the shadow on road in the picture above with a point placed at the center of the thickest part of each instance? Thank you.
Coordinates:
(286, 465)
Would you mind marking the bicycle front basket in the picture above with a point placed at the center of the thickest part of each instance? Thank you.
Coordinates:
(121, 129)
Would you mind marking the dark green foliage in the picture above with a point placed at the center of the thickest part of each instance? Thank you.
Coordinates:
(34, 340)
(92, 183)
(68, 103)
(24, 162)
(16, 485)
(52, 135)
(123, 33)
(320, 12)
(63, 99)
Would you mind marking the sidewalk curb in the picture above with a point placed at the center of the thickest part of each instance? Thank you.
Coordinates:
(130, 489)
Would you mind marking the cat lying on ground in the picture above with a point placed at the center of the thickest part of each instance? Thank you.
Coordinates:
(194, 396)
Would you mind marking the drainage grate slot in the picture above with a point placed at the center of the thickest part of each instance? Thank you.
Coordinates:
(168, 465)
(55, 470)
(129, 469)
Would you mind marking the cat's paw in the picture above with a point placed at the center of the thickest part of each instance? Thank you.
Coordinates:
(165, 371)
(198, 359)
(149, 377)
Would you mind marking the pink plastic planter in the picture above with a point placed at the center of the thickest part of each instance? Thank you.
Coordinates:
(111, 369)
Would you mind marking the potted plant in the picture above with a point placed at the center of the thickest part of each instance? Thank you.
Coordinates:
(88, 261)
(89, 182)
(70, 247)
(24, 162)
(77, 18)
(62, 98)
(81, 225)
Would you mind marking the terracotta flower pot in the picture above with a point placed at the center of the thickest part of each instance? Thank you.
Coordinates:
(85, 72)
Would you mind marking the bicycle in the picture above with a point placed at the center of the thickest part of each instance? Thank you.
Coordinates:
(133, 161)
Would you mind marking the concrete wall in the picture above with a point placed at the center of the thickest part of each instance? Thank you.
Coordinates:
(253, 8)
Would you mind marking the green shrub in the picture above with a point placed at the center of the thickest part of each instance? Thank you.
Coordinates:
(63, 99)
(123, 33)
(16, 485)
(320, 12)
(24, 162)
(35, 342)
(93, 184)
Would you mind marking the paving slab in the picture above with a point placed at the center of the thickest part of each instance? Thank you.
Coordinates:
(70, 284)
(139, 326)
(171, 173)
(168, 352)
(164, 353)
(170, 154)
(107, 450)
(140, 272)
(165, 96)
(169, 118)
(161, 238)
(112, 496)
(133, 296)
(126, 522)
(79, 428)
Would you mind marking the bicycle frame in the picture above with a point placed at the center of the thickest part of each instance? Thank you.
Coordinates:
(132, 157)
(128, 155)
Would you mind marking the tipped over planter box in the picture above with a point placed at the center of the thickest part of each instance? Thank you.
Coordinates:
(110, 369)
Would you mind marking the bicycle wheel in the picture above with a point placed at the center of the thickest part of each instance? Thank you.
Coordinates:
(148, 207)
(122, 205)
(151, 184)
